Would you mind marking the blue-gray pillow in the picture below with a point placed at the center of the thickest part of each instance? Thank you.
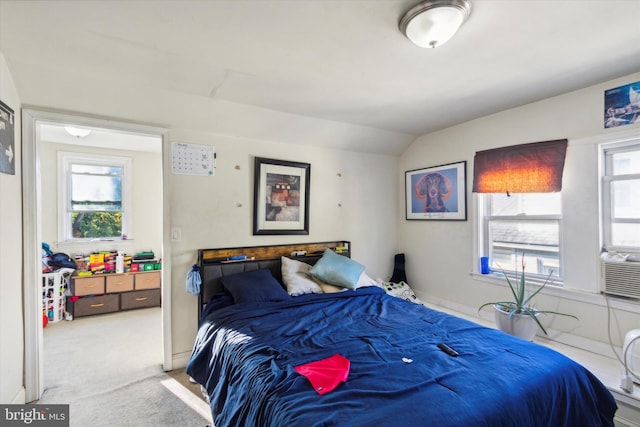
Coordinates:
(254, 286)
(337, 270)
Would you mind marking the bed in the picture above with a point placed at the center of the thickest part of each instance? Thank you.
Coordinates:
(361, 357)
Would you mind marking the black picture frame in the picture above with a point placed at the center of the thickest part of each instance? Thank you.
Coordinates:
(7, 140)
(437, 193)
(281, 197)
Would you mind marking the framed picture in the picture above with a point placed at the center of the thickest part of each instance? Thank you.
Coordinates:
(281, 197)
(7, 143)
(622, 105)
(438, 193)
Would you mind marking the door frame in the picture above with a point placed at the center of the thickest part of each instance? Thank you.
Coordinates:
(32, 117)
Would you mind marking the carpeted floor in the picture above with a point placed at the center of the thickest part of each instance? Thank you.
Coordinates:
(108, 368)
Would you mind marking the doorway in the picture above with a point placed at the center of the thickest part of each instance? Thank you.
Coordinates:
(37, 124)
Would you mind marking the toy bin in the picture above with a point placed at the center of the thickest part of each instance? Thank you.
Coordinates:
(54, 286)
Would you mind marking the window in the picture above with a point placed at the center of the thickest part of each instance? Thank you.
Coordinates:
(620, 201)
(94, 191)
(522, 223)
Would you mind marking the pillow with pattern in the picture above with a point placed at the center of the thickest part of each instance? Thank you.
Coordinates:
(401, 290)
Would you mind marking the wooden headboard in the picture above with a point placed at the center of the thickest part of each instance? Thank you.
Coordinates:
(215, 263)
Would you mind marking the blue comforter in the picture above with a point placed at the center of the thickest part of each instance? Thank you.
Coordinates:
(245, 355)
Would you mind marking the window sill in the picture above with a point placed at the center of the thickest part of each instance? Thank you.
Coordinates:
(72, 243)
(555, 290)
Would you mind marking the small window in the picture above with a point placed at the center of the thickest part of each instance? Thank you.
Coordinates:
(94, 202)
(526, 223)
(621, 204)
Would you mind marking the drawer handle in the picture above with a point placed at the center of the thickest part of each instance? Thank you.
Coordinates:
(97, 305)
(90, 286)
(121, 283)
(141, 299)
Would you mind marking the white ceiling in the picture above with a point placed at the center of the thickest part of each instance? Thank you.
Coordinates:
(329, 72)
(101, 138)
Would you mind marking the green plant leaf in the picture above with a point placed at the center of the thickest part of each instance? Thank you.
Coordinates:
(520, 303)
(513, 291)
(533, 314)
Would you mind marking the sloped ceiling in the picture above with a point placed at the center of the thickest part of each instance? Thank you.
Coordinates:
(336, 73)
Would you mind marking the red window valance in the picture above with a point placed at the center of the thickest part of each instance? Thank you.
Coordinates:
(525, 168)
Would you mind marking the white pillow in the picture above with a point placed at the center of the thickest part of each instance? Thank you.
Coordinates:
(295, 275)
(401, 290)
(365, 280)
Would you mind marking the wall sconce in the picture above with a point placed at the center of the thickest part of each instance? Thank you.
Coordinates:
(432, 23)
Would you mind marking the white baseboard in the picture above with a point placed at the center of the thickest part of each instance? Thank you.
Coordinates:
(20, 397)
(628, 413)
(180, 359)
(623, 422)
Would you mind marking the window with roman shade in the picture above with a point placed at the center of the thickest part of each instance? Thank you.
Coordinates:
(519, 206)
(525, 168)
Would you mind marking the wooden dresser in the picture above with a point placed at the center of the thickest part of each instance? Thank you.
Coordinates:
(107, 293)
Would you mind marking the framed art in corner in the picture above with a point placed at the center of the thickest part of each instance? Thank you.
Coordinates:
(437, 193)
(281, 197)
(622, 105)
(7, 140)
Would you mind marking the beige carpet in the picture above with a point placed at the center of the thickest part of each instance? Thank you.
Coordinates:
(108, 368)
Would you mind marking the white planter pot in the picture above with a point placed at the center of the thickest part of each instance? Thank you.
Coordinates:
(519, 325)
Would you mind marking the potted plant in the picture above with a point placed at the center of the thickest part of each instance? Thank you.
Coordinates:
(518, 317)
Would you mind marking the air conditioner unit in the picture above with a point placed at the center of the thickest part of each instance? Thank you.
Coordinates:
(621, 275)
(631, 350)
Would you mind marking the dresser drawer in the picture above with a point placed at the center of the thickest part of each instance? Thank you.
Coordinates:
(88, 285)
(119, 283)
(140, 299)
(147, 280)
(96, 305)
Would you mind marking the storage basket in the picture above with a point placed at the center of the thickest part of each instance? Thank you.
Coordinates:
(54, 286)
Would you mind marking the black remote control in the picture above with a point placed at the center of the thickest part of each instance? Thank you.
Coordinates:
(448, 350)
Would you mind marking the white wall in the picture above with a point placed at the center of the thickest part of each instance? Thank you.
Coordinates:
(146, 200)
(354, 196)
(358, 205)
(440, 254)
(11, 313)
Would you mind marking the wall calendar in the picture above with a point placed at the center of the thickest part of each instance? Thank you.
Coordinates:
(191, 159)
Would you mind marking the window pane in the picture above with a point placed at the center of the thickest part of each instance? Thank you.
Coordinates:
(99, 192)
(625, 202)
(96, 224)
(625, 235)
(525, 203)
(625, 163)
(96, 170)
(621, 212)
(539, 240)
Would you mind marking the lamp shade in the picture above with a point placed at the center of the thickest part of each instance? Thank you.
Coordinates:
(526, 168)
(432, 23)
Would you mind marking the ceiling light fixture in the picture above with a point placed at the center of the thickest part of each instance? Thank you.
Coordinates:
(77, 132)
(432, 23)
